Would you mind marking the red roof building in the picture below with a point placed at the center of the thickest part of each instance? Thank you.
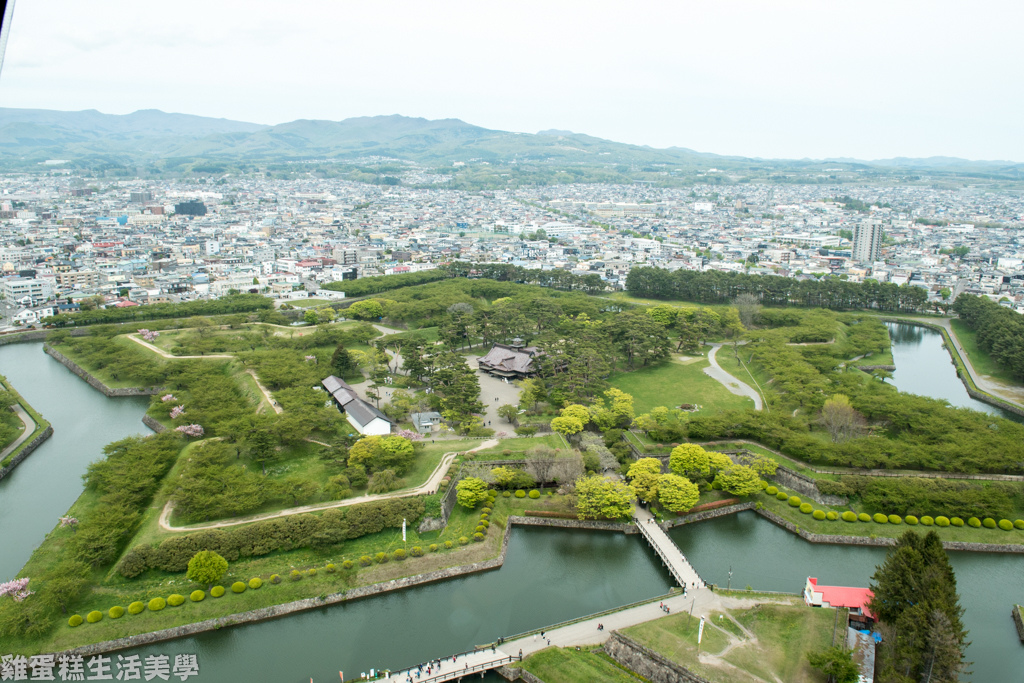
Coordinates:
(855, 599)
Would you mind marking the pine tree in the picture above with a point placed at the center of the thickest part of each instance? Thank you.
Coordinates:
(342, 363)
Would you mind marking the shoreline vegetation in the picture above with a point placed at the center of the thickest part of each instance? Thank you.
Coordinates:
(792, 354)
(31, 441)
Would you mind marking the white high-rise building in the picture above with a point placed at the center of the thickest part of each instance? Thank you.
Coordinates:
(867, 241)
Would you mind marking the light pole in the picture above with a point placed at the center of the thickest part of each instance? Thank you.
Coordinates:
(729, 585)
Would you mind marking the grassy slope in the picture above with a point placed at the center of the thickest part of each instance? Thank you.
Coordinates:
(566, 665)
(673, 383)
(983, 363)
(784, 633)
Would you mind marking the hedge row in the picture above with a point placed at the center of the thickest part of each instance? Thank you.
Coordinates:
(879, 518)
(331, 528)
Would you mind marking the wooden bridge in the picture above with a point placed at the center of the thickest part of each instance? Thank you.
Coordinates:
(682, 571)
(465, 665)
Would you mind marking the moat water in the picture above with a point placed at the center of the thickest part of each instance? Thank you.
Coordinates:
(549, 575)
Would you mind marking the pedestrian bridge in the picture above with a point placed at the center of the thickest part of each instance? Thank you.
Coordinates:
(465, 665)
(682, 571)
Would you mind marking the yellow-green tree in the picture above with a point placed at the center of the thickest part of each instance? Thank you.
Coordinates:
(567, 426)
(689, 458)
(676, 493)
(739, 480)
(470, 492)
(581, 413)
(643, 475)
(603, 497)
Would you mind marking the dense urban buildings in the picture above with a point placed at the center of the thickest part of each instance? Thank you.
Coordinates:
(69, 242)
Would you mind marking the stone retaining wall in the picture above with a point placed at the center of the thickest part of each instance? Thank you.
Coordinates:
(573, 524)
(94, 382)
(515, 673)
(869, 368)
(646, 662)
(153, 424)
(708, 514)
(26, 450)
(1018, 623)
(805, 485)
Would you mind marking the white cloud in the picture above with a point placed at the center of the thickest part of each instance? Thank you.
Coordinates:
(783, 78)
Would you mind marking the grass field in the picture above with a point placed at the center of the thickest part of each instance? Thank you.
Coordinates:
(983, 363)
(782, 635)
(567, 665)
(673, 383)
(516, 447)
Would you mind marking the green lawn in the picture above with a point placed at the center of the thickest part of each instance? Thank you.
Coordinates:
(784, 633)
(510, 449)
(983, 363)
(673, 383)
(568, 665)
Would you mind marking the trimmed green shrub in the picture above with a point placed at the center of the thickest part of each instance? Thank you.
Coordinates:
(535, 494)
(927, 520)
(989, 523)
(157, 604)
(347, 564)
(416, 551)
(94, 616)
(849, 516)
(485, 523)
(448, 545)
(434, 547)
(895, 519)
(275, 579)
(312, 572)
(1006, 525)
(136, 607)
(175, 600)
(366, 560)
(1019, 523)
(399, 554)
(806, 508)
(331, 568)
(879, 518)
(217, 591)
(477, 537)
(942, 521)
(486, 511)
(75, 620)
(956, 521)
(794, 501)
(463, 540)
(238, 587)
(772, 490)
(911, 520)
(831, 515)
(197, 596)
(255, 582)
(781, 495)
(520, 493)
(974, 522)
(115, 612)
(818, 515)
(381, 558)
(863, 517)
(484, 516)
(479, 529)
(295, 575)
(506, 494)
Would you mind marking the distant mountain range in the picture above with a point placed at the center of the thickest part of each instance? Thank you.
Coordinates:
(31, 136)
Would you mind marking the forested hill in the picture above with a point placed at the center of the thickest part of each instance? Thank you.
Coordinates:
(715, 287)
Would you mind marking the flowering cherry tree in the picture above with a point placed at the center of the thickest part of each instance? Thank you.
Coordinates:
(17, 589)
(411, 435)
(168, 397)
(68, 521)
(312, 358)
(177, 411)
(149, 335)
(190, 430)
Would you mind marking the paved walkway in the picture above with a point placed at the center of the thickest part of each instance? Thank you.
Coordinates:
(735, 386)
(163, 353)
(1007, 392)
(683, 572)
(30, 426)
(430, 486)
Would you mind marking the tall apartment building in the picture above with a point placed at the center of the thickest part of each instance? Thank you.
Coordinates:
(78, 279)
(867, 241)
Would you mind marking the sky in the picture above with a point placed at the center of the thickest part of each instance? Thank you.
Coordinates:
(773, 79)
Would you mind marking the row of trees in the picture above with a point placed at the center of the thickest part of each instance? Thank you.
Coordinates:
(717, 287)
(1000, 330)
(235, 303)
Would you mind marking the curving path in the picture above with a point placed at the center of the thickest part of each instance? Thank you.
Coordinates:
(1009, 393)
(735, 386)
(430, 486)
(163, 353)
(30, 427)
